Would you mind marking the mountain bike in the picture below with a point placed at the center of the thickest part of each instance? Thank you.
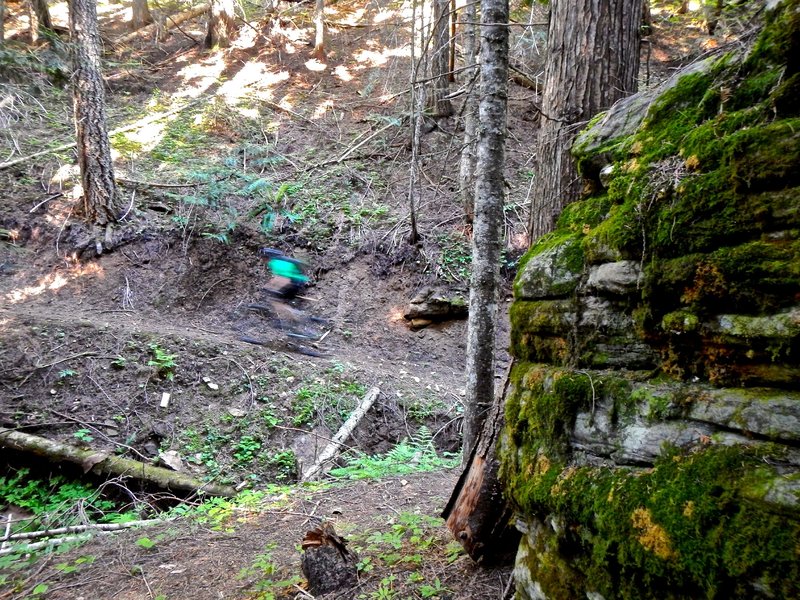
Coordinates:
(298, 326)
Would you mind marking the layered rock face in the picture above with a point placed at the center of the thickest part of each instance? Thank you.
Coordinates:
(652, 442)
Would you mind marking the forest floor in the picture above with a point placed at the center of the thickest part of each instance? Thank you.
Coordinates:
(256, 145)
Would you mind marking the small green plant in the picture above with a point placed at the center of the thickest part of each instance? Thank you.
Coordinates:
(66, 373)
(432, 591)
(146, 543)
(285, 462)
(163, 362)
(83, 435)
(246, 450)
(409, 456)
(119, 362)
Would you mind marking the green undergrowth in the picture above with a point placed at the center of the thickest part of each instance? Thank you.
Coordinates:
(414, 455)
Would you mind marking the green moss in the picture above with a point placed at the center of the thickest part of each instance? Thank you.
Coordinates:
(680, 321)
(539, 329)
(686, 528)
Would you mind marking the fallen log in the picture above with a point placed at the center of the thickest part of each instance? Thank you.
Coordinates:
(170, 23)
(477, 514)
(331, 450)
(105, 464)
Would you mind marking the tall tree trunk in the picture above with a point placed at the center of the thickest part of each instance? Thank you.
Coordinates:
(489, 201)
(438, 102)
(140, 14)
(94, 152)
(468, 153)
(39, 19)
(221, 24)
(319, 26)
(592, 61)
(2, 22)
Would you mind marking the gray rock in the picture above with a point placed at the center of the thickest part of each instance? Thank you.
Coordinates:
(769, 412)
(554, 273)
(594, 143)
(436, 305)
(641, 443)
(621, 277)
(783, 325)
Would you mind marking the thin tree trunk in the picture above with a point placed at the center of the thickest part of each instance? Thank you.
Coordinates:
(140, 14)
(39, 19)
(319, 26)
(221, 24)
(489, 201)
(592, 61)
(469, 152)
(439, 103)
(2, 22)
(94, 152)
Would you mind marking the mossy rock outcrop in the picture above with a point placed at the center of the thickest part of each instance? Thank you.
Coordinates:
(652, 441)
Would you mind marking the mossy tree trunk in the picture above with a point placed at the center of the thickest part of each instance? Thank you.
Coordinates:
(439, 104)
(140, 14)
(468, 154)
(489, 201)
(221, 24)
(2, 22)
(100, 198)
(592, 61)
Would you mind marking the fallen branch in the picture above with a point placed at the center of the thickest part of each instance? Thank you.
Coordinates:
(45, 544)
(174, 22)
(332, 449)
(103, 464)
(91, 527)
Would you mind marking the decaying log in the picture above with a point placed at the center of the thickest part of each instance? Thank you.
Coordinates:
(105, 464)
(327, 563)
(477, 514)
(170, 22)
(332, 450)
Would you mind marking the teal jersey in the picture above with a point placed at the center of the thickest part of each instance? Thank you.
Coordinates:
(281, 267)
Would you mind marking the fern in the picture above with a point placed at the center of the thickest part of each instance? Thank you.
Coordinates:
(417, 454)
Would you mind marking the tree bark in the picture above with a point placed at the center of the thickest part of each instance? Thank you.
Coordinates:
(39, 19)
(489, 201)
(2, 22)
(319, 27)
(221, 24)
(438, 102)
(477, 514)
(105, 464)
(100, 199)
(140, 14)
(469, 152)
(592, 61)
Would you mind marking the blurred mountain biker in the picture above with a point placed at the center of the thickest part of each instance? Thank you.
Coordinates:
(288, 274)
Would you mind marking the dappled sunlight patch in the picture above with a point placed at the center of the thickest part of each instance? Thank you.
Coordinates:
(55, 281)
(316, 65)
(381, 56)
(254, 75)
(322, 108)
(200, 76)
(343, 73)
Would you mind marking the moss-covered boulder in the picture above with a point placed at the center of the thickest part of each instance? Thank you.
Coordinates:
(653, 417)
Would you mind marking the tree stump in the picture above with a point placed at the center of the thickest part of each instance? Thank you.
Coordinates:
(327, 563)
